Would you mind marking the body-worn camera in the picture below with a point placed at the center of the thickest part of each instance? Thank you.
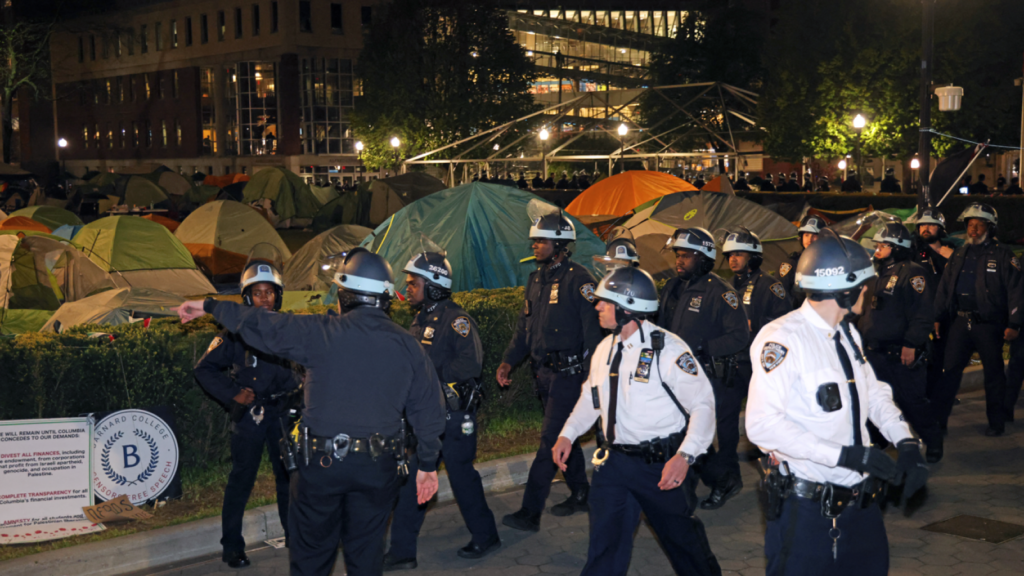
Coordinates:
(829, 398)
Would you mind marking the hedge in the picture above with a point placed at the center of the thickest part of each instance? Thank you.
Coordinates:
(58, 375)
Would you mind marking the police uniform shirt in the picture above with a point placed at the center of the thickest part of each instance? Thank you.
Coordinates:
(363, 371)
(787, 271)
(763, 297)
(558, 315)
(898, 306)
(451, 339)
(933, 261)
(229, 365)
(707, 313)
(645, 411)
(792, 357)
(998, 286)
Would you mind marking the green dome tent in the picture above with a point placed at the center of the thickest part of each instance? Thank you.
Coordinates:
(142, 254)
(50, 216)
(485, 230)
(348, 208)
(290, 197)
(389, 195)
(142, 192)
(301, 270)
(324, 194)
(41, 271)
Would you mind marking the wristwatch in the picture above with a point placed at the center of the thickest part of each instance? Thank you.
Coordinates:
(690, 458)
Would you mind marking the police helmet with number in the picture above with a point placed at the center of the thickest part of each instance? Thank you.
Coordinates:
(263, 265)
(631, 289)
(435, 269)
(364, 278)
(554, 226)
(811, 225)
(743, 240)
(834, 267)
(894, 233)
(697, 239)
(980, 211)
(931, 216)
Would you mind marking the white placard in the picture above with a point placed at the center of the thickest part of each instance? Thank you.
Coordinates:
(45, 479)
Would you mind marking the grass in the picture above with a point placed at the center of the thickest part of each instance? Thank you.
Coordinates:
(501, 436)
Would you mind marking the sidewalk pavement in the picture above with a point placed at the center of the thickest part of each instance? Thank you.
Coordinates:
(979, 476)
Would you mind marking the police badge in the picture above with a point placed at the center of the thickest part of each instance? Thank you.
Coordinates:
(731, 299)
(587, 290)
(428, 332)
(687, 364)
(778, 290)
(1015, 263)
(213, 344)
(784, 269)
(461, 325)
(695, 303)
(772, 355)
(917, 283)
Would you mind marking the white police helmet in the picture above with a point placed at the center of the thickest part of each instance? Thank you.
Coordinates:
(696, 239)
(982, 211)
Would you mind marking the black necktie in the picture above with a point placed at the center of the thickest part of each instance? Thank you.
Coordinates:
(851, 381)
(613, 393)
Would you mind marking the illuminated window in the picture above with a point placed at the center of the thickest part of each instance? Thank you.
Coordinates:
(177, 132)
(110, 135)
(257, 107)
(207, 111)
(85, 136)
(174, 86)
(124, 135)
(163, 133)
(146, 76)
(135, 134)
(327, 99)
(174, 34)
(221, 26)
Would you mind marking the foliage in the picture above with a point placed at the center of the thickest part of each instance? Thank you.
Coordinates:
(434, 72)
(24, 64)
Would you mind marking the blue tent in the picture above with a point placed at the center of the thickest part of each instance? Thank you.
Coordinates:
(485, 229)
(67, 231)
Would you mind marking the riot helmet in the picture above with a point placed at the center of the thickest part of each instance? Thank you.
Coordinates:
(898, 238)
(743, 240)
(549, 223)
(431, 264)
(811, 224)
(263, 265)
(834, 267)
(363, 279)
(699, 241)
(980, 211)
(629, 290)
(620, 250)
(931, 216)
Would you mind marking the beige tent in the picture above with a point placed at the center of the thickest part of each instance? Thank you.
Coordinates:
(114, 307)
(390, 195)
(40, 272)
(175, 184)
(302, 271)
(220, 235)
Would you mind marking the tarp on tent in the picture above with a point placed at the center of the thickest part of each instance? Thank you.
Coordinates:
(67, 231)
(719, 184)
(290, 195)
(485, 230)
(219, 235)
(39, 272)
(653, 225)
(49, 216)
(617, 195)
(143, 254)
(14, 321)
(164, 221)
(389, 195)
(345, 209)
(114, 307)
(301, 271)
(23, 223)
(324, 194)
(141, 192)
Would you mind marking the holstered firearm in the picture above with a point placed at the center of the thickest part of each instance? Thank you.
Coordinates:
(723, 368)
(402, 454)
(775, 486)
(288, 448)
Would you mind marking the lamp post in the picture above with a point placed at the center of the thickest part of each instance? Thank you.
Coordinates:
(842, 170)
(62, 143)
(623, 129)
(858, 123)
(927, 63)
(543, 151)
(915, 164)
(359, 156)
(395, 143)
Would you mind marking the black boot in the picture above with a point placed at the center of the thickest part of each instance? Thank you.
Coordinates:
(933, 451)
(576, 502)
(391, 563)
(523, 520)
(724, 489)
(236, 559)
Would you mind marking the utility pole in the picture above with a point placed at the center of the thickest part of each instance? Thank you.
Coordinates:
(927, 64)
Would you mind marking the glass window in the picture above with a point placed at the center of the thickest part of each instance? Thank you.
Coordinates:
(158, 35)
(238, 23)
(230, 142)
(257, 108)
(327, 100)
(108, 90)
(143, 39)
(106, 46)
(124, 135)
(96, 135)
(81, 49)
(130, 40)
(92, 47)
(188, 31)
(110, 135)
(221, 26)
(147, 129)
(174, 87)
(135, 134)
(85, 136)
(117, 44)
(305, 16)
(163, 133)
(159, 85)
(177, 132)
(131, 88)
(207, 111)
(273, 17)
(204, 32)
(120, 90)
(366, 15)
(255, 19)
(336, 27)
(174, 34)
(146, 77)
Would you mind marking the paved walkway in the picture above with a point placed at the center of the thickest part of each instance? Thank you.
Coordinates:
(979, 476)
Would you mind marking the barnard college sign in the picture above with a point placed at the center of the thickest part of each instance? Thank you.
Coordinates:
(135, 453)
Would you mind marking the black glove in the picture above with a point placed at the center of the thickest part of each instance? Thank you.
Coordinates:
(867, 459)
(911, 470)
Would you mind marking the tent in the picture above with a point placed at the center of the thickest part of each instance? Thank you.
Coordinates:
(324, 193)
(289, 195)
(300, 271)
(141, 191)
(114, 307)
(104, 179)
(39, 272)
(225, 180)
(654, 224)
(67, 231)
(617, 195)
(348, 208)
(171, 225)
(719, 183)
(49, 216)
(23, 321)
(201, 195)
(220, 235)
(23, 223)
(173, 183)
(142, 254)
(389, 195)
(3, 216)
(485, 230)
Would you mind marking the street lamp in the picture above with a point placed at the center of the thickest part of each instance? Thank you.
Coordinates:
(395, 143)
(858, 123)
(915, 164)
(544, 134)
(62, 144)
(623, 129)
(842, 165)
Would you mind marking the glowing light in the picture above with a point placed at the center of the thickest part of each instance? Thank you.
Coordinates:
(359, 145)
(544, 134)
(859, 122)
(623, 129)
(915, 164)
(842, 164)
(62, 143)
(395, 142)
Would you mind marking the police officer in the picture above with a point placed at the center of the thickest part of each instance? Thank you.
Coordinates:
(890, 185)
(452, 340)
(537, 182)
(253, 386)
(766, 184)
(932, 251)
(981, 294)
(700, 307)
(558, 330)
(808, 232)
(764, 299)
(823, 184)
(852, 183)
(620, 250)
(741, 183)
(563, 182)
(810, 400)
(549, 183)
(896, 322)
(584, 180)
(522, 184)
(790, 185)
(363, 372)
(808, 182)
(656, 413)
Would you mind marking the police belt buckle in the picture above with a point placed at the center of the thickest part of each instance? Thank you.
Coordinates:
(341, 444)
(377, 444)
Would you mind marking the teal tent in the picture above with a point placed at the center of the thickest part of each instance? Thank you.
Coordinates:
(484, 228)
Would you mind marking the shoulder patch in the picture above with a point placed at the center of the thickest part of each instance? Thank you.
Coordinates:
(461, 325)
(778, 290)
(784, 269)
(214, 343)
(918, 284)
(731, 299)
(1015, 263)
(772, 355)
(687, 363)
(587, 290)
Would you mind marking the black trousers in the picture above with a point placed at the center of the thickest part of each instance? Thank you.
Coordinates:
(247, 441)
(799, 543)
(724, 461)
(1014, 375)
(559, 394)
(938, 359)
(348, 501)
(458, 451)
(987, 341)
(910, 391)
(623, 487)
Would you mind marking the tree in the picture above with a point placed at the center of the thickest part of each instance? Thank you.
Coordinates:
(24, 64)
(436, 71)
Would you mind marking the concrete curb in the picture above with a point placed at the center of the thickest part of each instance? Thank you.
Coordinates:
(154, 548)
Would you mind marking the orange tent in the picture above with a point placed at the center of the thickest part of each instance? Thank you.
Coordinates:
(225, 180)
(719, 184)
(23, 223)
(171, 225)
(617, 195)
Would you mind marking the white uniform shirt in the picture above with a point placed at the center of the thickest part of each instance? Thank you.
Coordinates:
(791, 358)
(645, 411)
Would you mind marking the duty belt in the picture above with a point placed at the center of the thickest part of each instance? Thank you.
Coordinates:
(339, 446)
(835, 498)
(570, 363)
(656, 450)
(971, 317)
